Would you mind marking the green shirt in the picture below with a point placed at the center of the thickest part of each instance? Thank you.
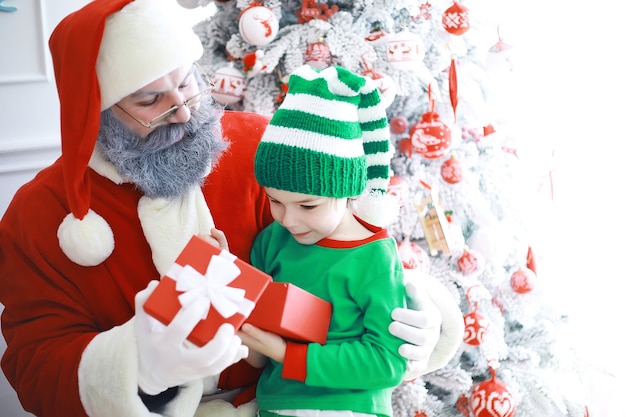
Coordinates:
(359, 365)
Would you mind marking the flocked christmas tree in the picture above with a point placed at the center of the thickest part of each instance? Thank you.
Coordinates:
(468, 196)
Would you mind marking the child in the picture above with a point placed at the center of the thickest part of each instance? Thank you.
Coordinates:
(326, 145)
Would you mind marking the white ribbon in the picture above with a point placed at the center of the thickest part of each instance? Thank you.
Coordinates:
(212, 286)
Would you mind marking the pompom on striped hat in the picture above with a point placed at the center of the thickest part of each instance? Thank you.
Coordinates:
(330, 137)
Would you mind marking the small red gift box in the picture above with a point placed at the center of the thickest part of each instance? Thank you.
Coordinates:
(231, 285)
(291, 312)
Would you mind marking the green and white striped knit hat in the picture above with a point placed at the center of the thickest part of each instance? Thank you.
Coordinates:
(330, 137)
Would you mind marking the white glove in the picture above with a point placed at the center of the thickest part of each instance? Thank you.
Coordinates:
(432, 325)
(166, 359)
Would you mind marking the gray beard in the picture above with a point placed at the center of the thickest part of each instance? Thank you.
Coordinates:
(157, 164)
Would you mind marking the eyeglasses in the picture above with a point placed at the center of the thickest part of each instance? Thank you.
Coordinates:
(164, 117)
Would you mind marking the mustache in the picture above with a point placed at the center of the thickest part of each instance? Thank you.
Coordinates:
(166, 135)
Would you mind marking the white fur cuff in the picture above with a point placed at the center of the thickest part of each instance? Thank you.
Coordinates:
(107, 379)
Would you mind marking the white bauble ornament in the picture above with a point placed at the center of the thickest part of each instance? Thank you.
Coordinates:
(258, 25)
(500, 58)
(229, 85)
(405, 50)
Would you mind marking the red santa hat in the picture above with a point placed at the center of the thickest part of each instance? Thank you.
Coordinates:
(102, 53)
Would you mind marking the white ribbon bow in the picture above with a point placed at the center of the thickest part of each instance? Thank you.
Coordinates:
(212, 286)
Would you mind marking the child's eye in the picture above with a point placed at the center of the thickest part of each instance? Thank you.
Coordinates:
(308, 207)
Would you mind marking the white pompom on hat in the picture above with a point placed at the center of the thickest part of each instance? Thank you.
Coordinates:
(101, 53)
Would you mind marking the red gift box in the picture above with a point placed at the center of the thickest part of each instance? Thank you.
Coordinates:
(291, 312)
(232, 285)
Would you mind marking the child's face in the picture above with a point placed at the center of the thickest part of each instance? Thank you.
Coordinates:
(309, 218)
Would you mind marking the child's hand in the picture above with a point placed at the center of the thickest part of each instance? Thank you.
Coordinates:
(266, 343)
(216, 238)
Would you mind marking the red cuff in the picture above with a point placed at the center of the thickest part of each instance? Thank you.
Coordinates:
(240, 375)
(294, 366)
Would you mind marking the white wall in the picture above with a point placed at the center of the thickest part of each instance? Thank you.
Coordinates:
(29, 112)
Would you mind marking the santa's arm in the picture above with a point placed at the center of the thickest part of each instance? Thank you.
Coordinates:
(432, 326)
(108, 375)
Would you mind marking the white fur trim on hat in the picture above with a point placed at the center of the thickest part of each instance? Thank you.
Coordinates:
(144, 41)
(86, 242)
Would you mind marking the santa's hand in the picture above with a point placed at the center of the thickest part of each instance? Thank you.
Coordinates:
(167, 359)
(432, 326)
(216, 238)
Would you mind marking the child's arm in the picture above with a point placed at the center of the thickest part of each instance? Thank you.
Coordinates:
(262, 344)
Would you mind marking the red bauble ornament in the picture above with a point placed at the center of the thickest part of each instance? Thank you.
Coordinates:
(430, 137)
(258, 25)
(451, 171)
(318, 55)
(385, 84)
(399, 188)
(229, 84)
(398, 125)
(310, 10)
(462, 405)
(404, 146)
(523, 280)
(476, 325)
(456, 19)
(413, 256)
(470, 262)
(492, 398)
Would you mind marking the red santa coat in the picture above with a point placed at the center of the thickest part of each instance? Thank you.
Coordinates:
(68, 328)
